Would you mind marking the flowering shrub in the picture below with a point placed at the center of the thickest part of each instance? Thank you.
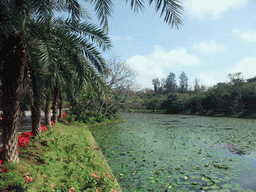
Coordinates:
(43, 128)
(22, 141)
(4, 170)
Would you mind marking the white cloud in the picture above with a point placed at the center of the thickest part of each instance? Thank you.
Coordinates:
(156, 64)
(200, 8)
(207, 79)
(247, 35)
(247, 66)
(250, 36)
(115, 37)
(210, 46)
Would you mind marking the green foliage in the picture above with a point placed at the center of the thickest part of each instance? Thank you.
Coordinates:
(70, 162)
(224, 98)
(153, 103)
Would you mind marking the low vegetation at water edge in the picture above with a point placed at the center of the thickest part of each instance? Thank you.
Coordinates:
(65, 158)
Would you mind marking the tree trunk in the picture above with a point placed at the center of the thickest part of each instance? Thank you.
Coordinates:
(55, 104)
(13, 62)
(35, 107)
(47, 111)
(60, 106)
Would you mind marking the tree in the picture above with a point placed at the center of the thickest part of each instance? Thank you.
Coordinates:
(156, 84)
(14, 31)
(250, 80)
(18, 29)
(235, 79)
(196, 85)
(119, 75)
(170, 83)
(183, 82)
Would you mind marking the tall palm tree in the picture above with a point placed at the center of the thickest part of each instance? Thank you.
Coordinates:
(14, 17)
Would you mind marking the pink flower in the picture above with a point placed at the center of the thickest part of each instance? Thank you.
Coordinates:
(74, 177)
(47, 140)
(71, 189)
(28, 179)
(52, 185)
(52, 139)
(108, 175)
(95, 155)
(94, 175)
(47, 151)
(99, 164)
(88, 148)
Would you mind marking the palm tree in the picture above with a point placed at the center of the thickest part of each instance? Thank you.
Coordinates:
(14, 31)
(15, 17)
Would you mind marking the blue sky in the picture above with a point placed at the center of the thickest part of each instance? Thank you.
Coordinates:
(218, 37)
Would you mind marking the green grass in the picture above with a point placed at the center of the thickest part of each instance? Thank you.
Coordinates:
(73, 156)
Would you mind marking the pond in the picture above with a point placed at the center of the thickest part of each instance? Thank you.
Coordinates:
(158, 152)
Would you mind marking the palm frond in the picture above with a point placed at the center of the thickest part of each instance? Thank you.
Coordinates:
(86, 29)
(136, 5)
(103, 10)
(173, 11)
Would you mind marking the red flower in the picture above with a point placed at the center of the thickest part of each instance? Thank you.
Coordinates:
(1, 151)
(47, 151)
(44, 128)
(1, 161)
(19, 152)
(52, 122)
(88, 148)
(64, 114)
(71, 189)
(4, 170)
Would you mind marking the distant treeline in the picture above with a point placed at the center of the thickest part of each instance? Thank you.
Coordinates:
(235, 96)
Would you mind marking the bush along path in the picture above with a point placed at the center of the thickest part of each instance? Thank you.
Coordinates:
(65, 158)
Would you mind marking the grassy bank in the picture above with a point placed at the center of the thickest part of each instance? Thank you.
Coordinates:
(66, 158)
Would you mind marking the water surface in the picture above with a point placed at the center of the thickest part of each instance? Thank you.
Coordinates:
(155, 152)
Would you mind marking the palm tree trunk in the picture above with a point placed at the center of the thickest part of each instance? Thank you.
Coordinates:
(55, 104)
(60, 106)
(14, 60)
(35, 107)
(47, 111)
